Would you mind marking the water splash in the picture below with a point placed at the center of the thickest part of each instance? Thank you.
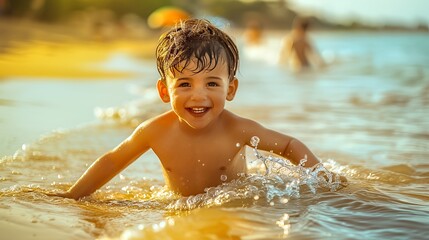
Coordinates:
(273, 180)
(314, 177)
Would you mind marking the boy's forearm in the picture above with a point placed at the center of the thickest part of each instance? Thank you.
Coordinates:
(98, 174)
(296, 150)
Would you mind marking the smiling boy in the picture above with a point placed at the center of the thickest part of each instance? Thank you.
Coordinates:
(198, 141)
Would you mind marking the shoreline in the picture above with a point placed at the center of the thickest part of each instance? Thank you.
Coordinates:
(29, 49)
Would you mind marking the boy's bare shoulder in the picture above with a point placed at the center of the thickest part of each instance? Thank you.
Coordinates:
(239, 122)
(157, 123)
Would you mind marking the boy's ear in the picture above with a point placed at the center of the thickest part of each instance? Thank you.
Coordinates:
(163, 91)
(232, 89)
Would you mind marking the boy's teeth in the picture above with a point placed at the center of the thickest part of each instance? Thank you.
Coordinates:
(198, 110)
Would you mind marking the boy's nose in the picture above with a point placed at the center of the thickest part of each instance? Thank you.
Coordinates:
(199, 94)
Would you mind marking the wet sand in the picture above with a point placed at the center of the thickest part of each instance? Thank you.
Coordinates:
(29, 49)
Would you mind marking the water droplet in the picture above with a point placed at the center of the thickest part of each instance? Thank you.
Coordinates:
(198, 160)
(140, 227)
(237, 144)
(229, 159)
(203, 164)
(285, 217)
(254, 141)
(284, 201)
(283, 222)
(271, 203)
(162, 224)
(155, 227)
(170, 221)
(256, 197)
(223, 178)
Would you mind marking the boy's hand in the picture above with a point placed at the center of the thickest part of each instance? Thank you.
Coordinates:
(342, 180)
(60, 194)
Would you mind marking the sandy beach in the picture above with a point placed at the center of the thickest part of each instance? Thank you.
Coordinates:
(30, 49)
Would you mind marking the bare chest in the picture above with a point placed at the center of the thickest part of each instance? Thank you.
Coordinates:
(189, 168)
(200, 154)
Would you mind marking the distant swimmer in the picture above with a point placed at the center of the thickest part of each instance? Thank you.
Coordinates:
(253, 33)
(297, 51)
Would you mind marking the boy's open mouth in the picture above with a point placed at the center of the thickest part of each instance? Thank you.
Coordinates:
(198, 110)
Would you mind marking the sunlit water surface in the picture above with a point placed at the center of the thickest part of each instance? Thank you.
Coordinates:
(365, 115)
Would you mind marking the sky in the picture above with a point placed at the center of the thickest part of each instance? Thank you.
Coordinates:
(401, 12)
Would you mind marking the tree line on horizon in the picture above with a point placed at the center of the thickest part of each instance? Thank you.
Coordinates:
(271, 14)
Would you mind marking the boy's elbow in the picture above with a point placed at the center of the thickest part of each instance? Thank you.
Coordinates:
(296, 151)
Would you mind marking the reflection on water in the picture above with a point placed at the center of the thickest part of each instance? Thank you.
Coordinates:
(36, 59)
(365, 115)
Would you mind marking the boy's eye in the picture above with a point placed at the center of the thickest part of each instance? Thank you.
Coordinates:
(212, 84)
(184, 84)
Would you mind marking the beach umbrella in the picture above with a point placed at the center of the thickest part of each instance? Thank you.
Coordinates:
(166, 16)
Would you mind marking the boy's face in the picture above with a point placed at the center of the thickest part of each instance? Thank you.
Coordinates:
(198, 98)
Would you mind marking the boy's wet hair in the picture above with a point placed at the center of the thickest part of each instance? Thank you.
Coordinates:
(199, 39)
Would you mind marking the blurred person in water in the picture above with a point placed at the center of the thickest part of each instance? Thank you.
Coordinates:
(254, 33)
(198, 142)
(297, 51)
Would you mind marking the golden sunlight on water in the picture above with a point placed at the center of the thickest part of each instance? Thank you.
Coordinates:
(213, 223)
(365, 117)
(74, 60)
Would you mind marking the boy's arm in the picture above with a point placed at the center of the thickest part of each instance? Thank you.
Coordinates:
(281, 144)
(295, 150)
(108, 166)
(284, 145)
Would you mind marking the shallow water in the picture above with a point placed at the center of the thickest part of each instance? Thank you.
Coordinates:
(365, 115)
